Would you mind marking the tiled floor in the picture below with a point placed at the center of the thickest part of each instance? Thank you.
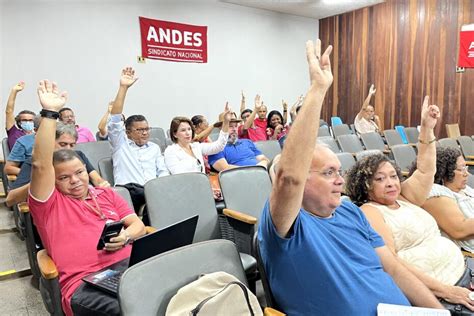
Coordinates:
(17, 296)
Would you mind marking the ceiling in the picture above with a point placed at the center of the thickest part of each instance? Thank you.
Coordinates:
(316, 9)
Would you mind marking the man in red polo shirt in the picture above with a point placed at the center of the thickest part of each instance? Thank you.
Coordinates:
(70, 215)
(254, 128)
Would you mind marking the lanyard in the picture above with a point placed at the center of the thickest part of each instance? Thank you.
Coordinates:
(95, 209)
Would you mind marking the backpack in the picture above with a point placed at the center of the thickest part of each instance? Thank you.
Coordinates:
(217, 293)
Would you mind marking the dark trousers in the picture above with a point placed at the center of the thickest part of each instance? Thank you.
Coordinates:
(87, 300)
(137, 193)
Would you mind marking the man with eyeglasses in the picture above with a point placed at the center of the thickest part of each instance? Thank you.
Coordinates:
(136, 160)
(321, 256)
(67, 116)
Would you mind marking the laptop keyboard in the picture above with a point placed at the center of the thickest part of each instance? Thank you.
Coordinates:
(111, 283)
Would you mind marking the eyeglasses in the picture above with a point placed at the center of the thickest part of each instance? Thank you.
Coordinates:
(199, 165)
(68, 116)
(331, 173)
(141, 130)
(463, 169)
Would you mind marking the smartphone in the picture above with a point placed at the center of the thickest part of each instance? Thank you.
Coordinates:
(110, 230)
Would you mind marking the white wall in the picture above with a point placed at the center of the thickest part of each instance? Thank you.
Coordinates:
(84, 45)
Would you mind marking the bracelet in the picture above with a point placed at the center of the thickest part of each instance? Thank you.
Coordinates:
(49, 114)
(428, 142)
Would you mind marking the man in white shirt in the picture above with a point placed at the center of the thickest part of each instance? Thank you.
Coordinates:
(366, 120)
(136, 160)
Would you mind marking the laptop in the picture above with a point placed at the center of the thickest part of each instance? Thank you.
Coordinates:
(147, 246)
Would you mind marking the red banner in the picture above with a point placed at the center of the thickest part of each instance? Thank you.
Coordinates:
(466, 49)
(173, 41)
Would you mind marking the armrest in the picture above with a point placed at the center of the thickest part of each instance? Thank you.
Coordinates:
(469, 157)
(470, 162)
(11, 177)
(268, 311)
(240, 216)
(467, 253)
(23, 207)
(149, 229)
(46, 265)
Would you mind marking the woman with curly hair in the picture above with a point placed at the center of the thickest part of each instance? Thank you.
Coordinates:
(393, 209)
(451, 200)
(275, 128)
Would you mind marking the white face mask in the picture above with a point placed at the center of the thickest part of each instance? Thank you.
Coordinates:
(27, 126)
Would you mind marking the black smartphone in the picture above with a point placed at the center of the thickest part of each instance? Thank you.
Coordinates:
(110, 230)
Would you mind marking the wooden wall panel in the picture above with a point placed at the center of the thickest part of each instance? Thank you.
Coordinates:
(407, 48)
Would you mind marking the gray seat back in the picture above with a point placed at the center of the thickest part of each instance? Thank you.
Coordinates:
(448, 142)
(125, 194)
(147, 287)
(392, 137)
(246, 189)
(350, 143)
(347, 160)
(372, 140)
(324, 131)
(173, 198)
(106, 170)
(470, 180)
(342, 129)
(467, 145)
(270, 148)
(412, 134)
(404, 156)
(158, 132)
(330, 142)
(95, 151)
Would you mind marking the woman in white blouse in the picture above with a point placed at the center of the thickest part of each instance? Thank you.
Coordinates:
(187, 156)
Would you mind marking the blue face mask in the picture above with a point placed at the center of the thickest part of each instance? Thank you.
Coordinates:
(26, 126)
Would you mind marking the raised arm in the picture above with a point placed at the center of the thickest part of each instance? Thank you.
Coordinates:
(10, 108)
(417, 187)
(366, 103)
(251, 118)
(288, 186)
(242, 102)
(218, 145)
(126, 81)
(42, 174)
(285, 111)
(294, 106)
(103, 121)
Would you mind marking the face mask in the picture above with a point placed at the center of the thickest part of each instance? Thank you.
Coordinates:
(27, 126)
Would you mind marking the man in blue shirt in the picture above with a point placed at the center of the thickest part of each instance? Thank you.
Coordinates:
(322, 257)
(237, 152)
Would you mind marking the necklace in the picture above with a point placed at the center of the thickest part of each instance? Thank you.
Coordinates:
(95, 208)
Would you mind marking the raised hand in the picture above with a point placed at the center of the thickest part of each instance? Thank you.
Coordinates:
(429, 114)
(19, 86)
(242, 96)
(227, 113)
(49, 96)
(372, 90)
(319, 66)
(128, 77)
(258, 102)
(285, 105)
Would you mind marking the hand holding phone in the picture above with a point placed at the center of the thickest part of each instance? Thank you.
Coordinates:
(110, 230)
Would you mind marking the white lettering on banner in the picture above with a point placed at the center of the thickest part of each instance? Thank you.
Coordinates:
(472, 45)
(174, 37)
(190, 55)
(161, 52)
(152, 34)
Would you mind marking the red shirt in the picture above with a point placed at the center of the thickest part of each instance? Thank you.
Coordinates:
(256, 133)
(70, 230)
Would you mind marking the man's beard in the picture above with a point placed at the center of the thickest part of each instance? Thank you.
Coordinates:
(232, 140)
